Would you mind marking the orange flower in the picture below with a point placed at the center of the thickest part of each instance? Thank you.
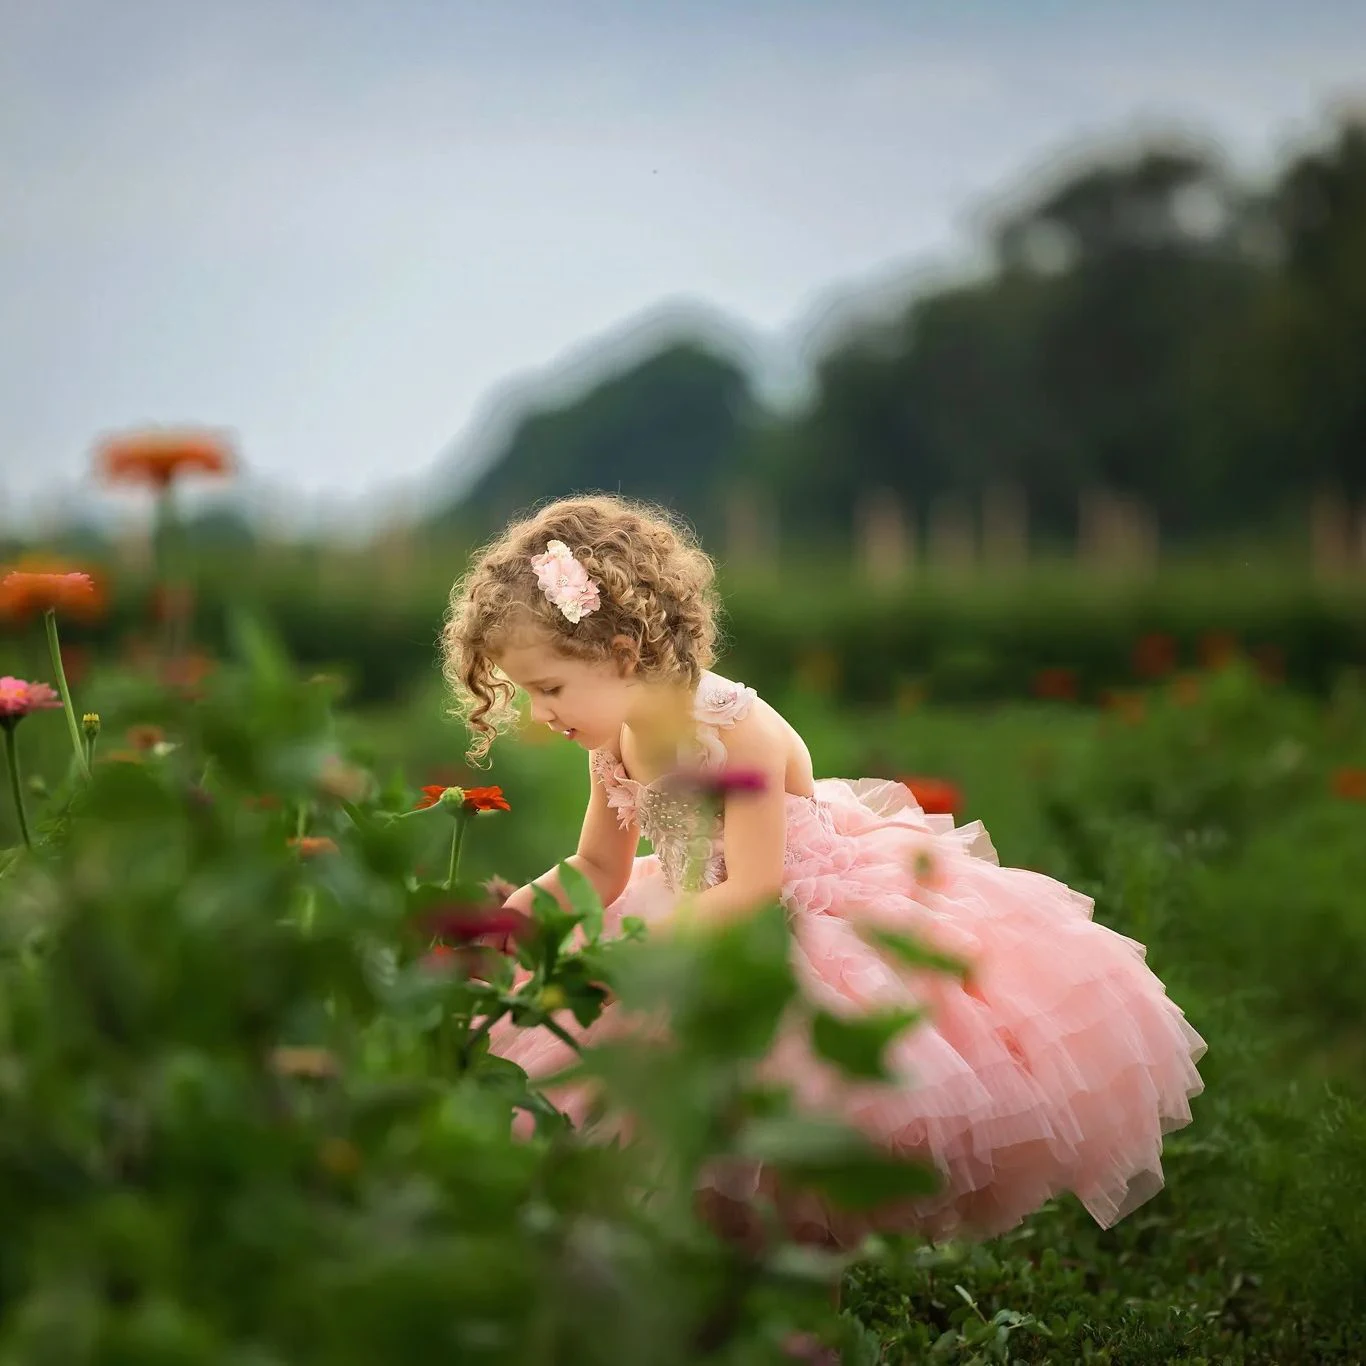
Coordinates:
(934, 796)
(1350, 784)
(187, 673)
(26, 593)
(1154, 655)
(1270, 662)
(158, 458)
(146, 737)
(310, 846)
(1218, 648)
(469, 798)
(1186, 690)
(1056, 685)
(1130, 707)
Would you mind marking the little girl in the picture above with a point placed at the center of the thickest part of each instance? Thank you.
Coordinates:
(1058, 1065)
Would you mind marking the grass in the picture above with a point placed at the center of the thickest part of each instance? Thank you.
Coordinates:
(1208, 829)
(1210, 832)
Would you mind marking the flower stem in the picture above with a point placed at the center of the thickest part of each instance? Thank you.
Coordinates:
(457, 843)
(16, 785)
(54, 646)
(472, 1040)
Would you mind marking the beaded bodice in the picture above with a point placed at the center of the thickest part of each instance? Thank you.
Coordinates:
(685, 836)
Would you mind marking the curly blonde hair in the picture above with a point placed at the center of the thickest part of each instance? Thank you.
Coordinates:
(657, 589)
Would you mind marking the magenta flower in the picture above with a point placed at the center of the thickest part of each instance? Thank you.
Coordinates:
(18, 698)
(490, 924)
(723, 783)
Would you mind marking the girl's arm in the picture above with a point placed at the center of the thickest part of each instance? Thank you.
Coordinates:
(755, 825)
(605, 855)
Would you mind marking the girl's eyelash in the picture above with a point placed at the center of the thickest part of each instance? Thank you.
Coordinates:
(550, 692)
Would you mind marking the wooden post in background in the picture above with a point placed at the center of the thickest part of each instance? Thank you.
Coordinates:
(1005, 527)
(1115, 533)
(1329, 534)
(885, 537)
(751, 532)
(953, 535)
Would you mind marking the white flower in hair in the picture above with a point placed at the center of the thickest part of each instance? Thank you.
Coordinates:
(564, 580)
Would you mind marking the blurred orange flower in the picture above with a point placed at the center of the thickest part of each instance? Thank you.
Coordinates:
(26, 593)
(310, 846)
(1056, 685)
(186, 673)
(1186, 690)
(1130, 707)
(1350, 784)
(1217, 649)
(934, 796)
(159, 457)
(1270, 662)
(1154, 655)
(145, 737)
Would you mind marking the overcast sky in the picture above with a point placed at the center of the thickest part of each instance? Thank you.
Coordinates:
(338, 226)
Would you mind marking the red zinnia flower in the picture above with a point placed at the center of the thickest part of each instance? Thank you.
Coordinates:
(26, 593)
(1350, 784)
(934, 796)
(470, 798)
(468, 924)
(157, 458)
(18, 698)
(1154, 655)
(1056, 685)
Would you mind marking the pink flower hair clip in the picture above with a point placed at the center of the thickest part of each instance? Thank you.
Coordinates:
(564, 580)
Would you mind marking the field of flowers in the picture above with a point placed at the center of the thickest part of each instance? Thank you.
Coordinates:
(249, 958)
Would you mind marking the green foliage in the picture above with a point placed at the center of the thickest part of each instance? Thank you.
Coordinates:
(249, 1111)
(246, 1115)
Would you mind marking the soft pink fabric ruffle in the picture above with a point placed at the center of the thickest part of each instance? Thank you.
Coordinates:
(1058, 1066)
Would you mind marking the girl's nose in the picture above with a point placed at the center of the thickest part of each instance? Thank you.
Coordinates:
(540, 713)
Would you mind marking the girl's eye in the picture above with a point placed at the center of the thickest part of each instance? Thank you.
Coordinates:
(551, 692)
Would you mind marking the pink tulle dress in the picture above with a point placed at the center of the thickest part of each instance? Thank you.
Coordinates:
(1058, 1066)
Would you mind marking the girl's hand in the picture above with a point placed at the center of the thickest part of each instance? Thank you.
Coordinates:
(520, 900)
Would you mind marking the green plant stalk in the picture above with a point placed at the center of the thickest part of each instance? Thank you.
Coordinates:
(16, 785)
(472, 1040)
(54, 646)
(457, 844)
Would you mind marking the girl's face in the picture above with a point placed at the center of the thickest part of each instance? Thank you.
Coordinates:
(586, 702)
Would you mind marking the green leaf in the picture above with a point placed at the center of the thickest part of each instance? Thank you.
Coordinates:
(556, 924)
(583, 899)
(857, 1045)
(914, 954)
(724, 989)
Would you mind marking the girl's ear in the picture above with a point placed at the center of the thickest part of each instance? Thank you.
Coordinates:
(626, 655)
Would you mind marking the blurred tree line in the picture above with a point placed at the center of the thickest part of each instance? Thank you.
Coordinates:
(1150, 326)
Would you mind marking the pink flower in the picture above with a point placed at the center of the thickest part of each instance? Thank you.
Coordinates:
(564, 580)
(18, 698)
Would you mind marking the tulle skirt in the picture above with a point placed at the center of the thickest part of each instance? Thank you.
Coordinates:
(1057, 1065)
